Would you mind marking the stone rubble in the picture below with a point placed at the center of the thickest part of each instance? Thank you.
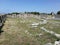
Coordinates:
(55, 43)
(51, 32)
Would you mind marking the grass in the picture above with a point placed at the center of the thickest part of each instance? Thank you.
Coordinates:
(17, 31)
(53, 26)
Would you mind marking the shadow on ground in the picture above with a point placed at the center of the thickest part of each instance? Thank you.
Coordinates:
(1, 29)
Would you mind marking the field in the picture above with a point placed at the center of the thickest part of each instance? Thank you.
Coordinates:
(19, 31)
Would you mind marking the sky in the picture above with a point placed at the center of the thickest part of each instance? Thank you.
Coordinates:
(44, 6)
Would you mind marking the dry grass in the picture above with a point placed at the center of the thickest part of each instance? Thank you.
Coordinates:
(17, 31)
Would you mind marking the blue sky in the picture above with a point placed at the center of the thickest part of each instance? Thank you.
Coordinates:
(46, 6)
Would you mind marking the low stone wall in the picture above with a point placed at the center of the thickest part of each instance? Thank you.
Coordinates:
(30, 15)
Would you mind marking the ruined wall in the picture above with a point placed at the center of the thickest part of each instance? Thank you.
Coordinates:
(2, 21)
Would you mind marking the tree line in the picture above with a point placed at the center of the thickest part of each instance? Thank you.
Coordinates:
(35, 13)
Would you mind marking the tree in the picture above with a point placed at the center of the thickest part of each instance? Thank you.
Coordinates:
(52, 13)
(35, 13)
(9, 14)
(58, 12)
(15, 13)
